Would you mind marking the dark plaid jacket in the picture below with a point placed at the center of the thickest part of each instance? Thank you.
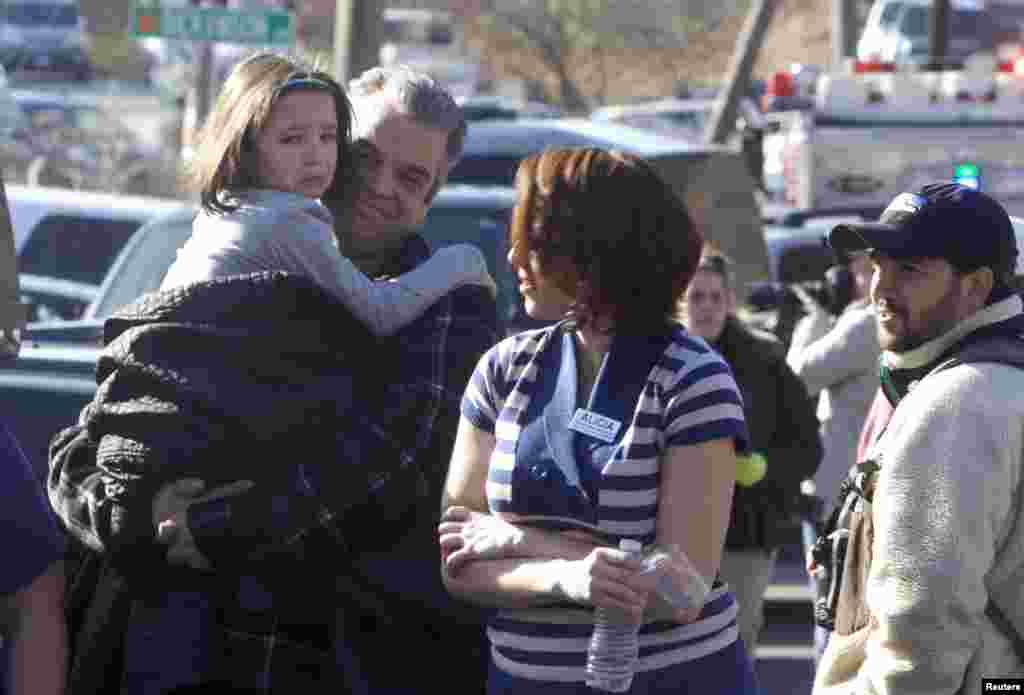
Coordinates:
(329, 457)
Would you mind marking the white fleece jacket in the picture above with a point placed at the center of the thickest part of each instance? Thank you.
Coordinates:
(948, 532)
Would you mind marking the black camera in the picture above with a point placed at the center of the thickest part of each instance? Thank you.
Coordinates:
(781, 305)
(829, 549)
(829, 553)
(832, 293)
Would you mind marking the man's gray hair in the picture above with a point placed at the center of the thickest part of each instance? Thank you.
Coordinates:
(416, 94)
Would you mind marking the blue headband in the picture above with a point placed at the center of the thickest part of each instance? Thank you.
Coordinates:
(310, 82)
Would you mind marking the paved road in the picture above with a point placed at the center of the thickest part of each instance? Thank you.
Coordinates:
(785, 655)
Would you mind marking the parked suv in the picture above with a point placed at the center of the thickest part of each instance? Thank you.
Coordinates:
(42, 38)
(713, 180)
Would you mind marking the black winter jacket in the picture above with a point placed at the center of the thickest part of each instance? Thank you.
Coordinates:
(783, 426)
(261, 377)
(230, 380)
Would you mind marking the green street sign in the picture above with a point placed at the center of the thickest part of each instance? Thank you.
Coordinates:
(264, 27)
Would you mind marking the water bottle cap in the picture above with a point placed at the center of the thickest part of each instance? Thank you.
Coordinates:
(628, 545)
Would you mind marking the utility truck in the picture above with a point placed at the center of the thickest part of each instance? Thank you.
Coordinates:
(873, 131)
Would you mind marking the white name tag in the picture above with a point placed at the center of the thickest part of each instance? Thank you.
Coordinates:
(594, 425)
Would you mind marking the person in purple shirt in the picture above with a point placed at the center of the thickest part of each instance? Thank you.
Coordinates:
(31, 582)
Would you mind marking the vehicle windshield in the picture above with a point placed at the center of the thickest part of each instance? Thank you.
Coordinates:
(486, 227)
(30, 14)
(144, 262)
(694, 120)
(997, 24)
(915, 21)
(74, 248)
(890, 13)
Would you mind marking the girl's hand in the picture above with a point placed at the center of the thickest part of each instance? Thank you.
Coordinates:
(170, 517)
(466, 535)
(182, 550)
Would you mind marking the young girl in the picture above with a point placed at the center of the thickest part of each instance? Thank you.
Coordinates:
(276, 141)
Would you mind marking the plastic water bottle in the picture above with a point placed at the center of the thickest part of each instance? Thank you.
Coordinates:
(614, 645)
(678, 583)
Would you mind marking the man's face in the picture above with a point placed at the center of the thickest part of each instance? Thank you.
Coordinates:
(706, 304)
(916, 300)
(401, 160)
(543, 298)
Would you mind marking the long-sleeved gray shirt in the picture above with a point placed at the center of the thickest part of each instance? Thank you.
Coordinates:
(276, 230)
(838, 360)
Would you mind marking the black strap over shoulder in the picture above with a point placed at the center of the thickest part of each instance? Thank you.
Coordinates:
(1003, 349)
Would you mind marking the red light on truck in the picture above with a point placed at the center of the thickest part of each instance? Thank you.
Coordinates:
(781, 84)
(869, 66)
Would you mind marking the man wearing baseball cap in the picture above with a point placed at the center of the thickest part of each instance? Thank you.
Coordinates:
(931, 596)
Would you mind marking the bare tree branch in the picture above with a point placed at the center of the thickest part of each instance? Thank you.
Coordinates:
(561, 30)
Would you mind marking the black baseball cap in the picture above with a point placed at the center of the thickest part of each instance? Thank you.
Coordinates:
(962, 225)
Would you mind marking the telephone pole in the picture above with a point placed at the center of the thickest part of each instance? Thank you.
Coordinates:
(200, 96)
(938, 34)
(844, 31)
(203, 88)
(737, 78)
(356, 37)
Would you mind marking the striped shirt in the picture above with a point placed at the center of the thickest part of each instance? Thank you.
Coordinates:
(689, 398)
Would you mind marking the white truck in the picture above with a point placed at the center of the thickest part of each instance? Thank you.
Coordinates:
(874, 132)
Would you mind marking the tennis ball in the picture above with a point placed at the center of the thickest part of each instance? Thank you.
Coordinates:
(750, 469)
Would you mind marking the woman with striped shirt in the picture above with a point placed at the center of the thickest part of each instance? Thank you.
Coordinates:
(559, 455)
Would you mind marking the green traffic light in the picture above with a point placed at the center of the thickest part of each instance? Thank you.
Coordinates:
(967, 174)
(965, 169)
